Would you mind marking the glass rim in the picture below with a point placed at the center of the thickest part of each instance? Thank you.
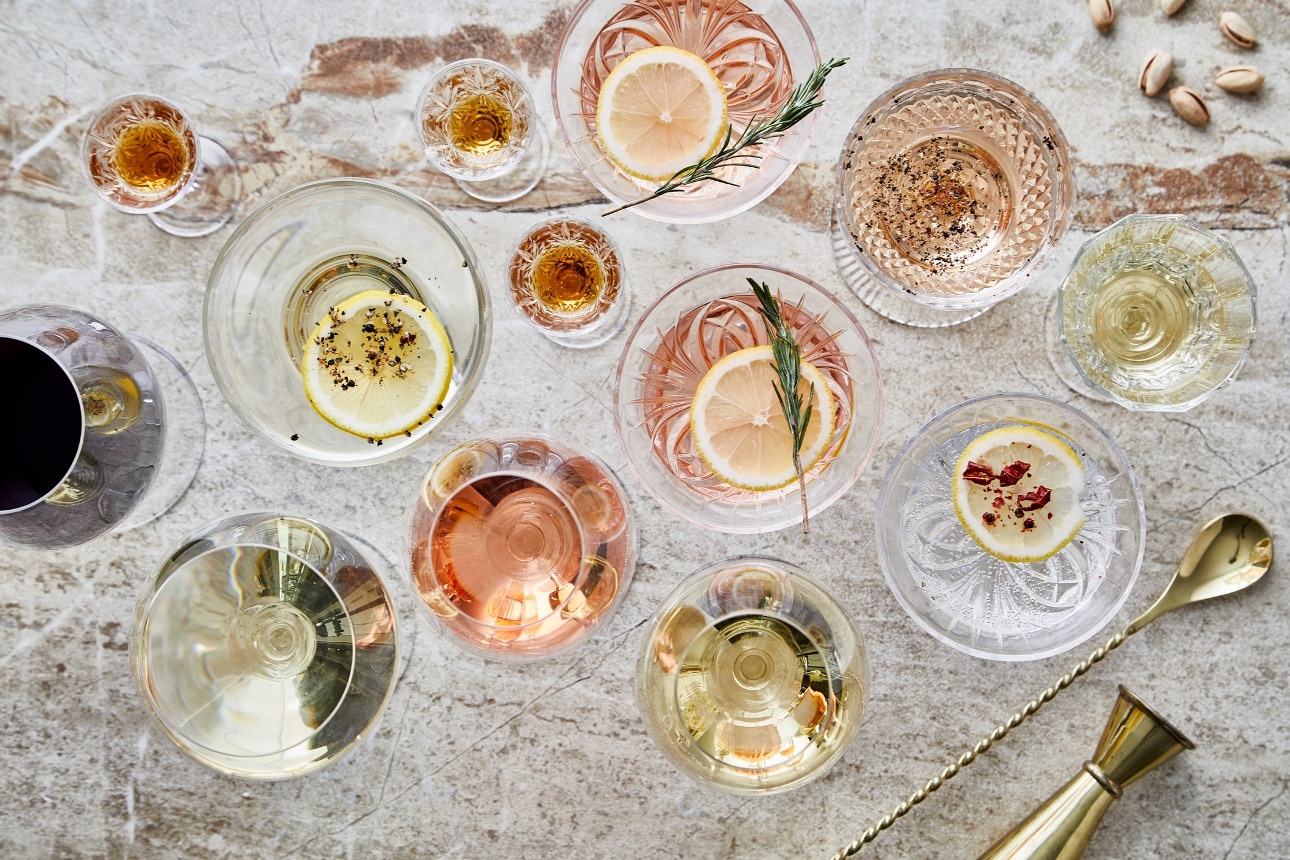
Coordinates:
(153, 587)
(546, 484)
(503, 70)
(174, 194)
(806, 130)
(599, 231)
(478, 347)
(1059, 150)
(80, 406)
(622, 431)
(1196, 229)
(917, 436)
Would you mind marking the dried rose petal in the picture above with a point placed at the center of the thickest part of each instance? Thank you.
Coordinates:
(1012, 473)
(1035, 499)
(978, 473)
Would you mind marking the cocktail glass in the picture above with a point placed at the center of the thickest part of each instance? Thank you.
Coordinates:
(305, 252)
(759, 49)
(566, 278)
(86, 444)
(986, 606)
(1156, 313)
(520, 545)
(752, 678)
(142, 155)
(265, 646)
(480, 126)
(690, 328)
(954, 187)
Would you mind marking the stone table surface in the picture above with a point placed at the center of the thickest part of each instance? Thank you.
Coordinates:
(474, 759)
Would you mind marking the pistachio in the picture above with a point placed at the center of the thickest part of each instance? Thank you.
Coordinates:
(1102, 13)
(1189, 105)
(1240, 79)
(1237, 30)
(1171, 6)
(1157, 66)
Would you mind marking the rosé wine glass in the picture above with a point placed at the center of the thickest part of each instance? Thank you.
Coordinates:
(690, 328)
(520, 545)
(759, 49)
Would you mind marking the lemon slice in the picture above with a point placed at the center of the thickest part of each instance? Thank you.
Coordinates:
(378, 365)
(1016, 491)
(660, 110)
(738, 426)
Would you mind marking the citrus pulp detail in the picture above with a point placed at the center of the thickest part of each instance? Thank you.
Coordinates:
(1016, 492)
(379, 365)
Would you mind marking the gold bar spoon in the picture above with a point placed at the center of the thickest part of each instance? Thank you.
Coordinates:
(1229, 554)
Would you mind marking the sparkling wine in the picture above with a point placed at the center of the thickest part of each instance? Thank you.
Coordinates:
(40, 424)
(268, 653)
(751, 677)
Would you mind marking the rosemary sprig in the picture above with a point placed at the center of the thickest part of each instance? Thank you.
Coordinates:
(788, 367)
(804, 99)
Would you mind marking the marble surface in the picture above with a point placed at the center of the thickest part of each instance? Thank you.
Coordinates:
(474, 759)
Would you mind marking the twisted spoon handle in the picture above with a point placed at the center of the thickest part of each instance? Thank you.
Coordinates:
(985, 743)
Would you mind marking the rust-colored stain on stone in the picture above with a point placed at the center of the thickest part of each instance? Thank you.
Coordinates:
(372, 67)
(1236, 191)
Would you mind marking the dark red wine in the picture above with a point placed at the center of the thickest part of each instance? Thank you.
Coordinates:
(40, 423)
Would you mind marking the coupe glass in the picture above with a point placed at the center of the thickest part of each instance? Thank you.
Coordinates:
(983, 605)
(265, 646)
(305, 252)
(689, 329)
(566, 278)
(1157, 313)
(954, 187)
(86, 445)
(520, 545)
(759, 49)
(480, 126)
(142, 155)
(752, 678)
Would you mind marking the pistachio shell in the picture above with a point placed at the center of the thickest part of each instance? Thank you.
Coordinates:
(1171, 6)
(1188, 104)
(1240, 79)
(1237, 30)
(1157, 66)
(1102, 13)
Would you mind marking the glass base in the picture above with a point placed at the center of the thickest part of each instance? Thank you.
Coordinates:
(611, 325)
(882, 300)
(519, 181)
(212, 199)
(1061, 360)
(184, 437)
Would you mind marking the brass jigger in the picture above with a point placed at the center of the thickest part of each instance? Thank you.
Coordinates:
(1229, 554)
(1136, 740)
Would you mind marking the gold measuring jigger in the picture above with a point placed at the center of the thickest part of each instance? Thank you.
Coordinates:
(1136, 739)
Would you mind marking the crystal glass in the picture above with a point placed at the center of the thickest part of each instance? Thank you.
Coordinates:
(1156, 313)
(566, 278)
(752, 678)
(954, 187)
(983, 605)
(142, 155)
(690, 328)
(303, 253)
(759, 49)
(265, 646)
(480, 126)
(86, 444)
(520, 545)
